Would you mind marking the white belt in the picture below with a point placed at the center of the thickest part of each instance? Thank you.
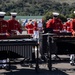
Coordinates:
(56, 30)
(2, 33)
(14, 30)
(29, 29)
(39, 27)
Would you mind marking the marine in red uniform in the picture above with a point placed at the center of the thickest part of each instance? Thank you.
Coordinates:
(4, 32)
(72, 26)
(14, 25)
(29, 27)
(55, 23)
(4, 27)
(68, 25)
(36, 30)
(35, 26)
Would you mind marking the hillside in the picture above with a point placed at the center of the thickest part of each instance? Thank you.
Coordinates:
(37, 7)
(61, 1)
(65, 1)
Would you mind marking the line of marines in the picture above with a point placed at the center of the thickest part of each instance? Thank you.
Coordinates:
(9, 27)
(58, 26)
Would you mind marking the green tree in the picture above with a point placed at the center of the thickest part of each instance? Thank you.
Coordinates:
(49, 15)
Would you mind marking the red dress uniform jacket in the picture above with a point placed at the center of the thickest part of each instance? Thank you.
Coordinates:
(35, 26)
(68, 27)
(72, 25)
(14, 25)
(4, 27)
(55, 24)
(29, 28)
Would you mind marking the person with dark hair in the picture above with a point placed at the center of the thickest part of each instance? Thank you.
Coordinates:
(14, 25)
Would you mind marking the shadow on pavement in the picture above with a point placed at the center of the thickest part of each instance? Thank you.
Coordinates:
(33, 72)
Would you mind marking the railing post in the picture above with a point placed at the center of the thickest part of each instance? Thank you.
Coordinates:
(49, 48)
(37, 62)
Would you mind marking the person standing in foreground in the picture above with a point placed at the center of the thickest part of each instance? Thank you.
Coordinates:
(72, 26)
(4, 27)
(14, 25)
(54, 25)
(4, 32)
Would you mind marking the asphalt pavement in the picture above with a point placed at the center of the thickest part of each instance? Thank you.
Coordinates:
(58, 68)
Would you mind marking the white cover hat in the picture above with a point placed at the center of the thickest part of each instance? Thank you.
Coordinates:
(55, 13)
(13, 13)
(74, 12)
(2, 13)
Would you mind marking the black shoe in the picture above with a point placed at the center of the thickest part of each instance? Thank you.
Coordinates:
(43, 59)
(72, 64)
(56, 57)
